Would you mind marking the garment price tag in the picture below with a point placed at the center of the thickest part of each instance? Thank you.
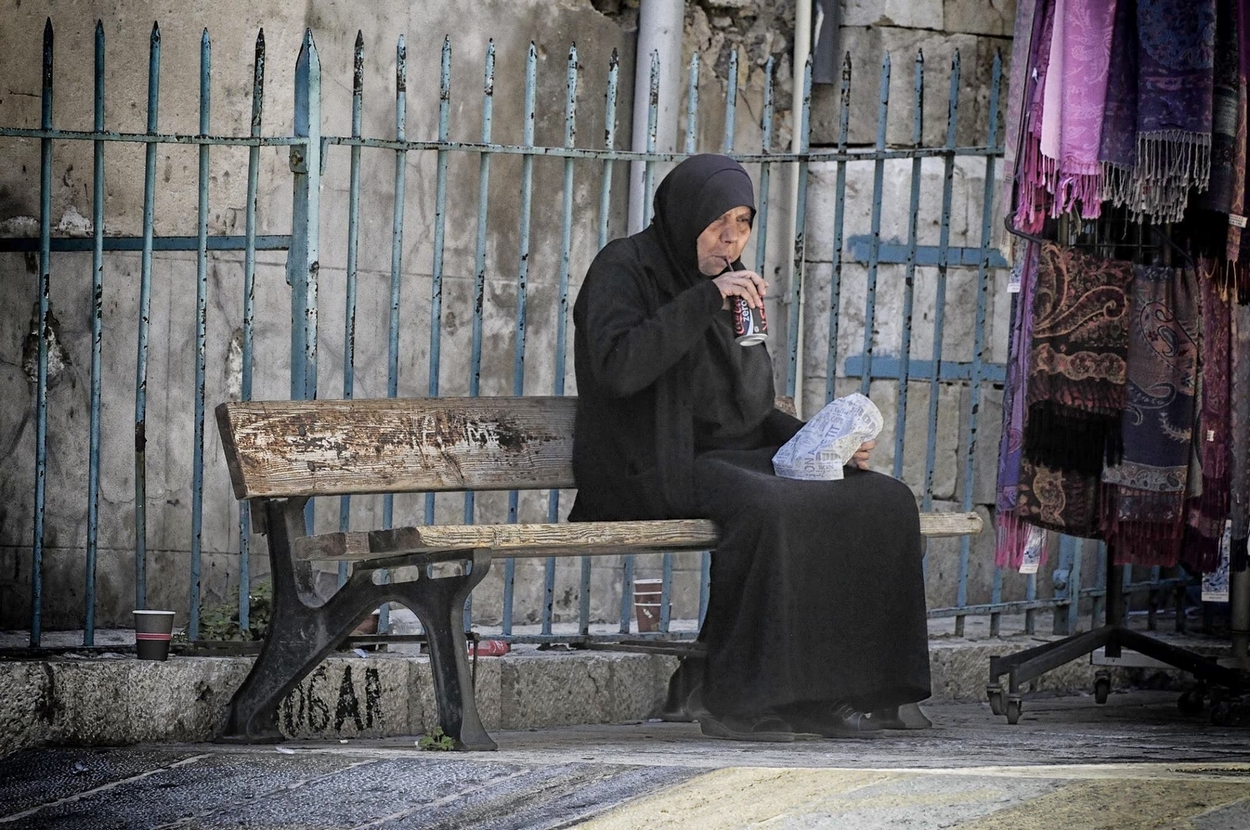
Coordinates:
(1215, 583)
(1014, 278)
(1236, 220)
(1034, 542)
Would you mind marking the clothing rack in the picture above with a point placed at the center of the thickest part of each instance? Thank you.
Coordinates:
(1113, 235)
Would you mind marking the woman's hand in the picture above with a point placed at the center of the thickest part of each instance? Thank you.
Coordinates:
(746, 284)
(860, 458)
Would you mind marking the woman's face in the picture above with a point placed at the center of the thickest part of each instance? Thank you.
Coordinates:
(722, 241)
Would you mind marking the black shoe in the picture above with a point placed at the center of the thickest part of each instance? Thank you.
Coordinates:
(763, 727)
(836, 722)
(907, 716)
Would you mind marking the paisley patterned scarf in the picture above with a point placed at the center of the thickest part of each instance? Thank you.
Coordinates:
(1143, 497)
(1061, 500)
(1077, 358)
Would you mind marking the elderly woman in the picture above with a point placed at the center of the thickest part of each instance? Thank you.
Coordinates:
(816, 615)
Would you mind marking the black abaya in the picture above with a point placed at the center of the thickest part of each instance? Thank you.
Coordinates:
(817, 590)
(817, 594)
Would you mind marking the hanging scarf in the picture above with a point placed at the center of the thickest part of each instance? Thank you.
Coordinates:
(1143, 497)
(1077, 360)
(1087, 28)
(1175, 45)
(1032, 197)
(1065, 170)
(1009, 550)
(1118, 144)
(1065, 501)
(1239, 415)
(1209, 511)
(1238, 239)
(1219, 195)
(1023, 53)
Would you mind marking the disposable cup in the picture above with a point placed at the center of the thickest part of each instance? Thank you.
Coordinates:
(648, 594)
(153, 630)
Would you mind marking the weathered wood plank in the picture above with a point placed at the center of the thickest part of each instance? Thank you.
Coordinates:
(950, 524)
(565, 539)
(330, 447)
(575, 538)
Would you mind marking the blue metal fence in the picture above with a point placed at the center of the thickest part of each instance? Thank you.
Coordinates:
(310, 151)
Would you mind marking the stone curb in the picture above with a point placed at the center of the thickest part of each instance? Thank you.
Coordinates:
(112, 701)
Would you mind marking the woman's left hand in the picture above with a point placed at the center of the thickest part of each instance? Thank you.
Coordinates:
(860, 458)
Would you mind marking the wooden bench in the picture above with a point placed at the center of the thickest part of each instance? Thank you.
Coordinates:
(282, 453)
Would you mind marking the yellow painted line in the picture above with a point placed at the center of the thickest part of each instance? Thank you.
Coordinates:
(737, 798)
(1121, 804)
(1096, 796)
(1214, 771)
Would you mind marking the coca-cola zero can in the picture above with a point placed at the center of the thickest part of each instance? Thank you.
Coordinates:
(750, 324)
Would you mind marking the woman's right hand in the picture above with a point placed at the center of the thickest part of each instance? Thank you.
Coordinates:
(746, 284)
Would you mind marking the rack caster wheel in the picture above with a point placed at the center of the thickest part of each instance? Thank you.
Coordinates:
(1230, 713)
(1014, 705)
(995, 694)
(1102, 687)
(1190, 703)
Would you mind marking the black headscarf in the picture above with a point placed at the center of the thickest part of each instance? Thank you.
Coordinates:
(692, 196)
(645, 320)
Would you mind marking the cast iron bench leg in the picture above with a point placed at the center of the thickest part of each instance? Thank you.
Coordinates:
(439, 604)
(301, 633)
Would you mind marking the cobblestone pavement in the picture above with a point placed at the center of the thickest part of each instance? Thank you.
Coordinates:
(1133, 763)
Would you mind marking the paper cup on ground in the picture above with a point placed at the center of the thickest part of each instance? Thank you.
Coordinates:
(647, 597)
(153, 630)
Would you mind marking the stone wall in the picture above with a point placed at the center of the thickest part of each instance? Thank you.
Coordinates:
(758, 28)
(233, 25)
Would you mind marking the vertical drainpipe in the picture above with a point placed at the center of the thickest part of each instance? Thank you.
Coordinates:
(802, 49)
(660, 27)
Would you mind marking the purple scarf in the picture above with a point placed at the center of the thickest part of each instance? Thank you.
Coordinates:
(1011, 537)
(1172, 88)
(1143, 498)
(1239, 478)
(1061, 157)
(1031, 199)
(1087, 27)
(1023, 54)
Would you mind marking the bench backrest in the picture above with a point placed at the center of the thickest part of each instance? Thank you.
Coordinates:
(283, 449)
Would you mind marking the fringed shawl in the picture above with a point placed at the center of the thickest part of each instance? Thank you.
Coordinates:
(1061, 150)
(1168, 91)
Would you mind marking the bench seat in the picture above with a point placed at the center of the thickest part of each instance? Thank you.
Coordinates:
(282, 453)
(520, 541)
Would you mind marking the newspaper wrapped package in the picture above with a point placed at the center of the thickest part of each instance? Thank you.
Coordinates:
(826, 443)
